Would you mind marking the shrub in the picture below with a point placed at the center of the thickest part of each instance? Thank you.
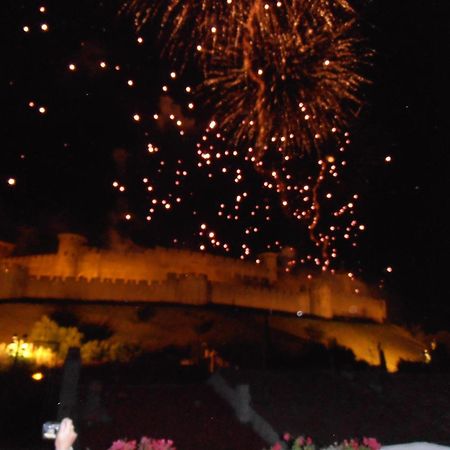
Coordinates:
(98, 352)
(64, 318)
(145, 313)
(48, 333)
(95, 331)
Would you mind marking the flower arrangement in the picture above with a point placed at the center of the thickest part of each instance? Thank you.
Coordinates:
(288, 443)
(366, 443)
(306, 443)
(145, 443)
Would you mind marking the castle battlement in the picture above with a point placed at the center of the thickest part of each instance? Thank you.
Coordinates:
(79, 272)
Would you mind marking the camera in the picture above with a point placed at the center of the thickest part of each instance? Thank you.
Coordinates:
(49, 430)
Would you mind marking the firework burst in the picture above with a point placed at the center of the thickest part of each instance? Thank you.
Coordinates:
(283, 73)
(291, 82)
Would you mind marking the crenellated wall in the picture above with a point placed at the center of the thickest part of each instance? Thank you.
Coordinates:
(260, 297)
(79, 272)
(152, 264)
(189, 289)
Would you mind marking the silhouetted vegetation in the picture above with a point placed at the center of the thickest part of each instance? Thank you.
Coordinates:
(91, 331)
(308, 355)
(439, 362)
(95, 331)
(145, 313)
(64, 318)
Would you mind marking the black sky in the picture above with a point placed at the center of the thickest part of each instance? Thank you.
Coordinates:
(64, 161)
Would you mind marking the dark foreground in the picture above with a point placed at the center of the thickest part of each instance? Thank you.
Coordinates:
(327, 405)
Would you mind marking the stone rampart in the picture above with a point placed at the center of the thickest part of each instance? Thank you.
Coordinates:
(217, 268)
(359, 306)
(79, 272)
(192, 290)
(152, 264)
(187, 289)
(259, 298)
(36, 265)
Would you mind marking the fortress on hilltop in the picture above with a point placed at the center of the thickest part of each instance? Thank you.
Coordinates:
(79, 272)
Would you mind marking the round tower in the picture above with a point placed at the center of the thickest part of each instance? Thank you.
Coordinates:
(270, 261)
(321, 299)
(70, 247)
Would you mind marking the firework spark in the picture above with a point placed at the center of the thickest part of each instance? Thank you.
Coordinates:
(282, 73)
(280, 79)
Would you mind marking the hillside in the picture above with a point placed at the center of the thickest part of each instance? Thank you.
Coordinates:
(157, 327)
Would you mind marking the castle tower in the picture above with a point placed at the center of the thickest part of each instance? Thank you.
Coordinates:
(6, 249)
(270, 261)
(70, 248)
(320, 299)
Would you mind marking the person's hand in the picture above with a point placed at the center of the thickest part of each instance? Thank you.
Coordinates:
(66, 435)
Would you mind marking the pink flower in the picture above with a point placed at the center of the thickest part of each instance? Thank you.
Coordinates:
(287, 437)
(155, 444)
(123, 445)
(117, 445)
(145, 443)
(309, 441)
(372, 443)
(277, 446)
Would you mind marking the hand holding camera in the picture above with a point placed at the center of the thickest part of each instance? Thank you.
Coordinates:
(63, 433)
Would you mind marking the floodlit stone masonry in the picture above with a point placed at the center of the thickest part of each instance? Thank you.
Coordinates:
(79, 272)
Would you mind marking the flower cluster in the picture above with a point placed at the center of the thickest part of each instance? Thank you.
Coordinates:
(367, 443)
(299, 443)
(302, 443)
(144, 444)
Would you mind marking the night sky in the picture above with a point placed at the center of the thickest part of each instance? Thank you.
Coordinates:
(83, 151)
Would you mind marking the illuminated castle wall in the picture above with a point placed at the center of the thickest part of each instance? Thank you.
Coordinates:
(80, 272)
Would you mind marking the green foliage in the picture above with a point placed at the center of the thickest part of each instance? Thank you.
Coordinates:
(98, 352)
(48, 333)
